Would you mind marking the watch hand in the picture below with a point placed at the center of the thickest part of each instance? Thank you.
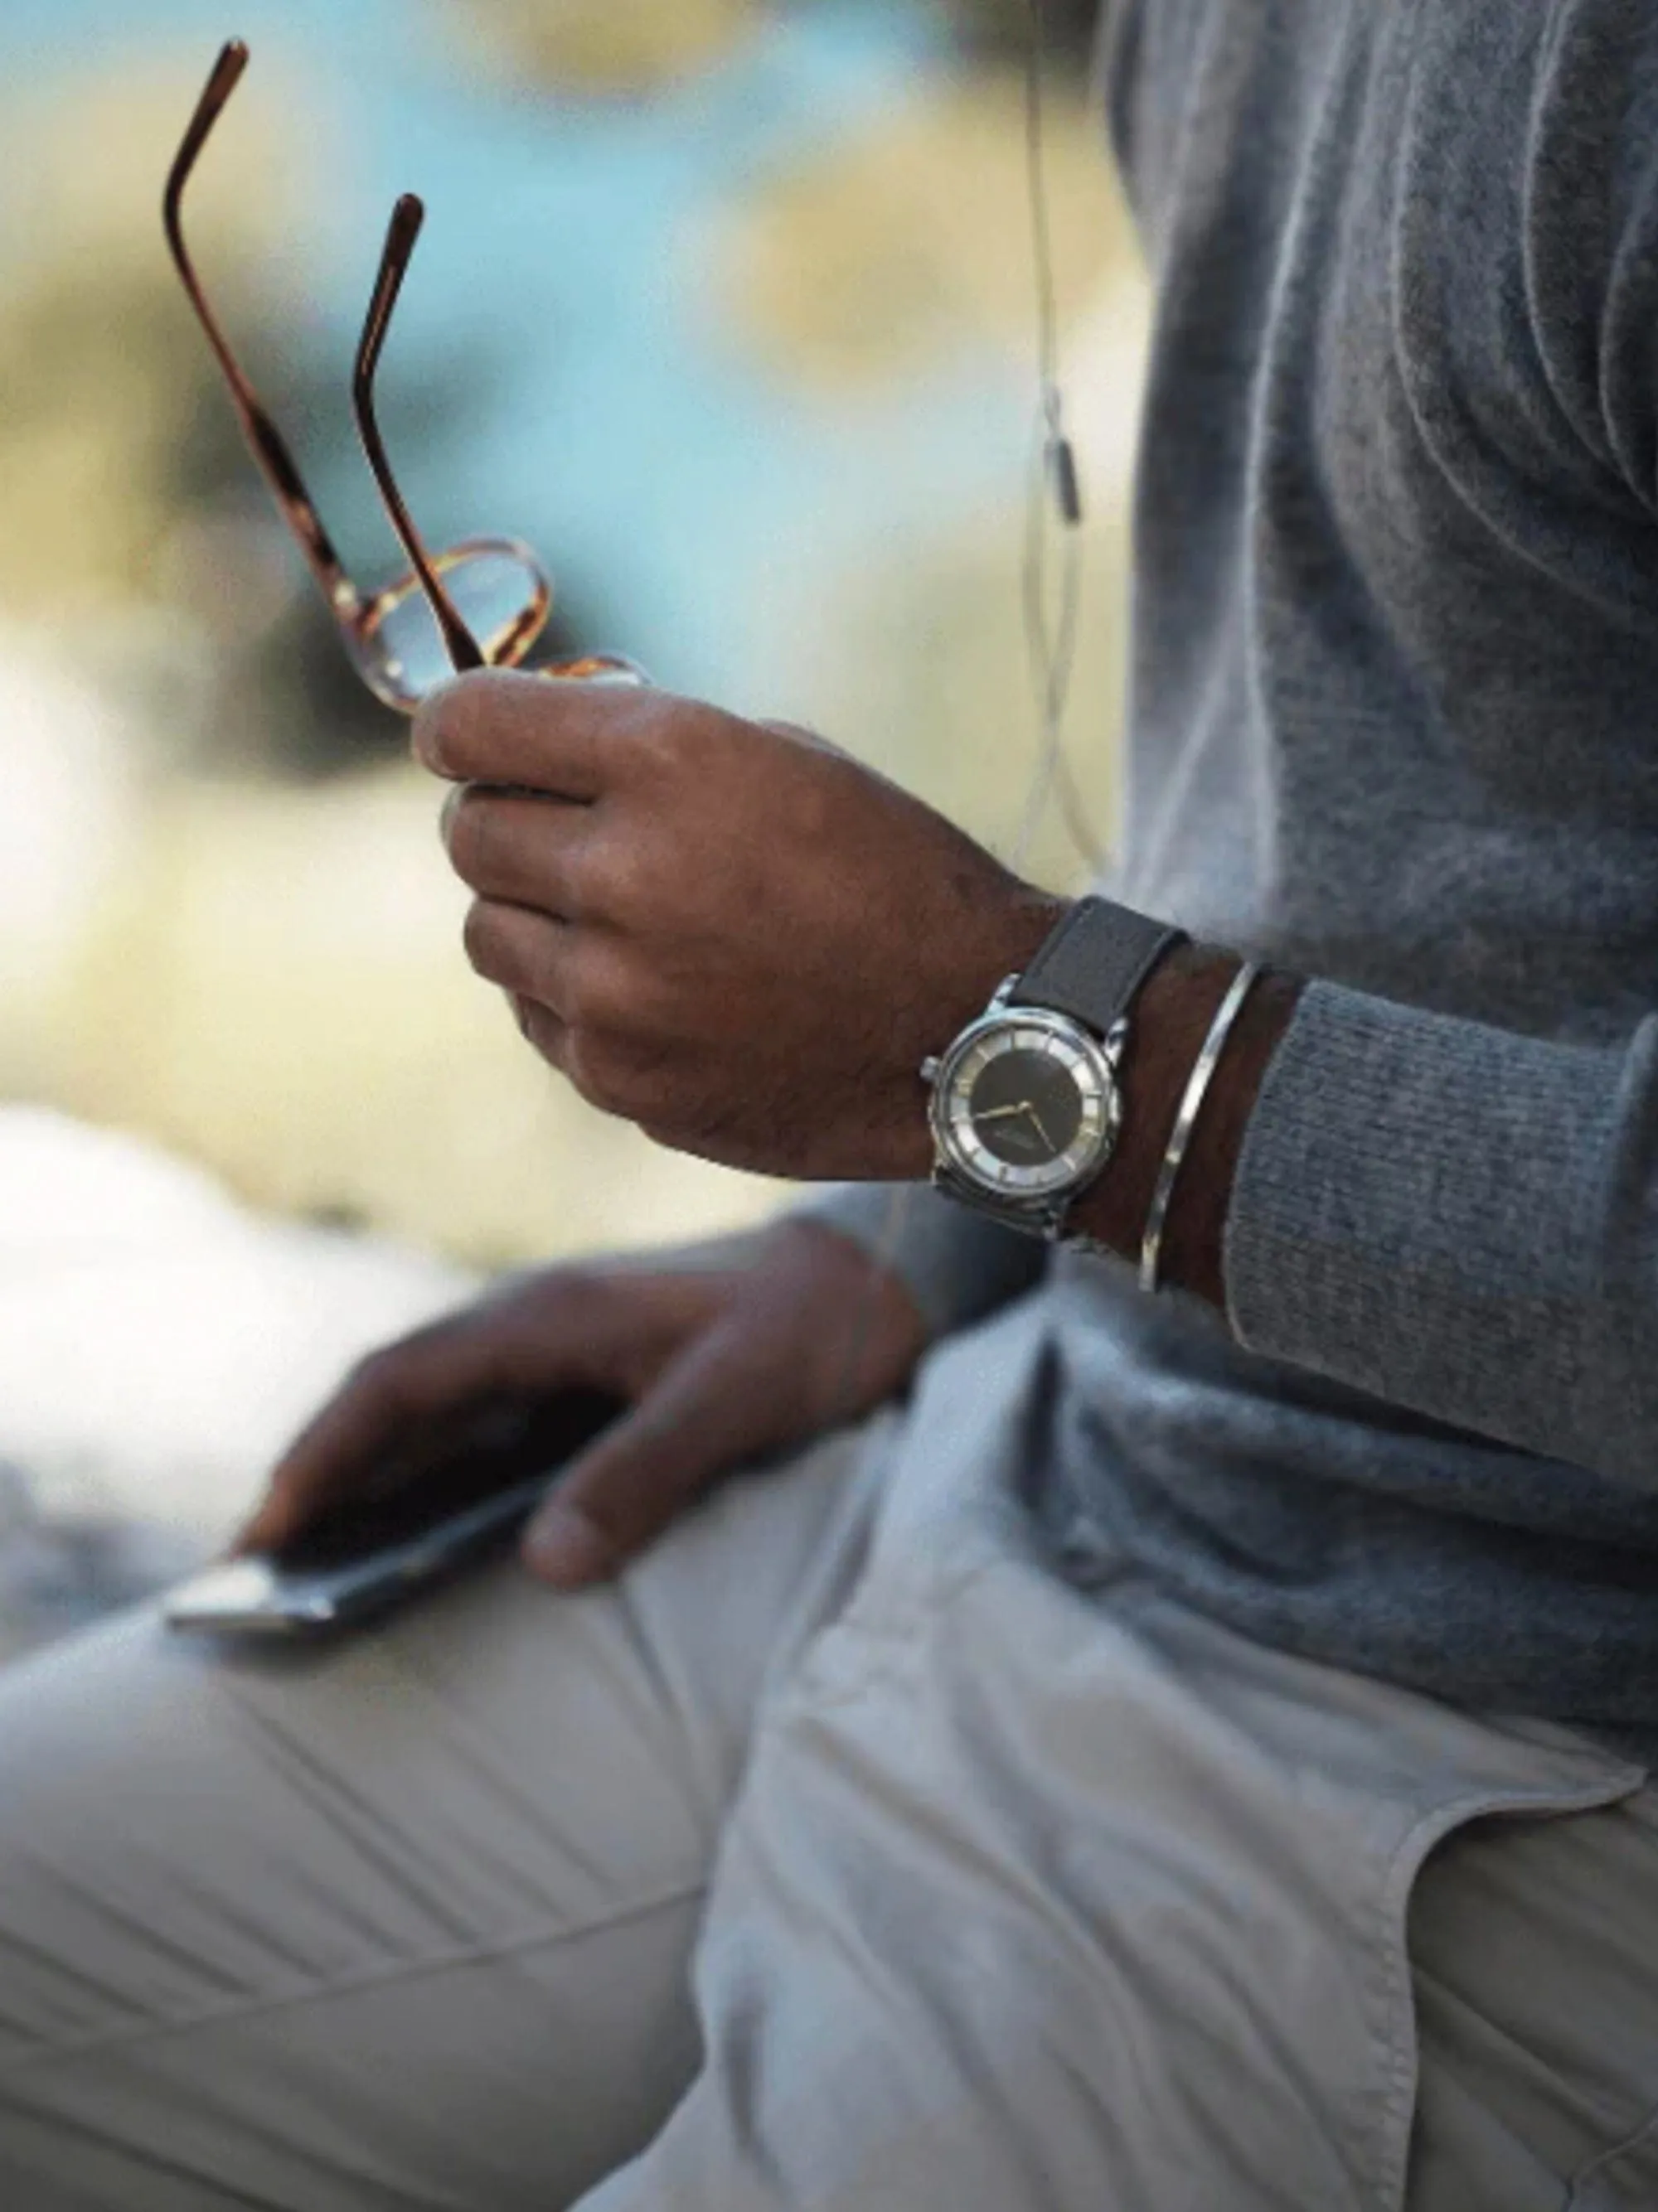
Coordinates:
(1002, 1112)
(1026, 1108)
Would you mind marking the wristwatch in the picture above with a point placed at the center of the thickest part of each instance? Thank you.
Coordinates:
(1026, 1107)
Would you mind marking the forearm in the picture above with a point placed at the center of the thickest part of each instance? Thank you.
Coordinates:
(1454, 1218)
(1172, 1017)
(959, 1266)
(1462, 1219)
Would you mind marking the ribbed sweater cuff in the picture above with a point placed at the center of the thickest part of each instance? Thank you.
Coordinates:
(1418, 1210)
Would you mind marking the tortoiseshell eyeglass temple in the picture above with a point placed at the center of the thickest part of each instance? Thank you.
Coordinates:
(485, 601)
(269, 449)
(407, 217)
(445, 586)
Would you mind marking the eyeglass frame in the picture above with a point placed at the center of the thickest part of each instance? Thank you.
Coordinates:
(358, 615)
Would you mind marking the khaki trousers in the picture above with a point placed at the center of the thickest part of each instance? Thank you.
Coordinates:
(841, 1858)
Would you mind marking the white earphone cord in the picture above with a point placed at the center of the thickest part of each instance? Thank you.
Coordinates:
(1055, 488)
(1055, 492)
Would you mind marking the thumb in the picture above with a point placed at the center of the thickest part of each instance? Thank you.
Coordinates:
(702, 1417)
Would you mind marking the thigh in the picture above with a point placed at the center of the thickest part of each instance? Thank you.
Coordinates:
(1036, 1900)
(1534, 1954)
(1014, 1919)
(403, 1922)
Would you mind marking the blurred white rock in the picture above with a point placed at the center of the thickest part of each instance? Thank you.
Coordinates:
(67, 817)
(60, 1571)
(158, 1344)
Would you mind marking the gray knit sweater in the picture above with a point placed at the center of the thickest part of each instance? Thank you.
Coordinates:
(1394, 725)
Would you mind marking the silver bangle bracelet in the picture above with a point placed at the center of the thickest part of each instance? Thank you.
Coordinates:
(1191, 1099)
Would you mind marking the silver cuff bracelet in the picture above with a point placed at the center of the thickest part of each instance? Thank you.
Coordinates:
(1191, 1099)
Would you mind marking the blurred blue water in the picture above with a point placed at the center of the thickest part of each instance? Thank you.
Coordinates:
(624, 432)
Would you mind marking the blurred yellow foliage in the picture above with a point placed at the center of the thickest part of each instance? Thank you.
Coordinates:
(101, 368)
(276, 988)
(898, 251)
(605, 46)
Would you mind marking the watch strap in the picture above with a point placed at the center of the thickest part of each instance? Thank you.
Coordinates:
(1041, 1218)
(1092, 963)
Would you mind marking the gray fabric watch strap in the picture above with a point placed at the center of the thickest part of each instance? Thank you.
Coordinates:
(1091, 966)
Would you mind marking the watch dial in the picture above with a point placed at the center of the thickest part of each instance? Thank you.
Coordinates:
(1026, 1107)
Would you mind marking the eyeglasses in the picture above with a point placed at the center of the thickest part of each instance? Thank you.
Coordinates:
(482, 604)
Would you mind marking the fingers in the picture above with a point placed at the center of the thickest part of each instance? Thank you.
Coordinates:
(564, 998)
(525, 852)
(703, 1417)
(568, 739)
(528, 955)
(402, 1398)
(544, 1032)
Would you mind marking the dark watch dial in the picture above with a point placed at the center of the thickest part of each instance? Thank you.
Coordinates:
(1025, 1108)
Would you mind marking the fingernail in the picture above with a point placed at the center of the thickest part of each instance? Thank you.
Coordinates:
(568, 1550)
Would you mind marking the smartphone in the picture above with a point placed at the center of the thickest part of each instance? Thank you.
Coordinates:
(419, 1519)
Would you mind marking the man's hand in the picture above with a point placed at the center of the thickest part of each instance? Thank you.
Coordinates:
(720, 1365)
(725, 931)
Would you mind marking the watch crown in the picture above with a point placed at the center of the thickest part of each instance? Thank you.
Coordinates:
(930, 1068)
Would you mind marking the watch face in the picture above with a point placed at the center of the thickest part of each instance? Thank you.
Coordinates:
(1027, 1105)
(1025, 1108)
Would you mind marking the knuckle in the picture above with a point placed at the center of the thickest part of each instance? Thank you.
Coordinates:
(621, 874)
(479, 937)
(562, 1308)
(618, 999)
(486, 935)
(286, 1485)
(665, 740)
(577, 1004)
(469, 828)
(543, 1032)
(640, 1086)
(380, 1378)
(435, 734)
(596, 988)
(566, 1288)
(579, 1300)
(588, 1064)
(810, 804)
(610, 1074)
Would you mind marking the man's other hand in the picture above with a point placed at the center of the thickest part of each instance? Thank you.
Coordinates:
(725, 931)
(721, 1365)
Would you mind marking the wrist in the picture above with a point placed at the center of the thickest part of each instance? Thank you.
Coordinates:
(990, 946)
(1106, 1034)
(1172, 1018)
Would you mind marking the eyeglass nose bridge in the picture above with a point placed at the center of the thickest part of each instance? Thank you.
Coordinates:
(507, 645)
(400, 650)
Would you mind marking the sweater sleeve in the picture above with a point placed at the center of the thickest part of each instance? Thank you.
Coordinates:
(958, 1266)
(1461, 1220)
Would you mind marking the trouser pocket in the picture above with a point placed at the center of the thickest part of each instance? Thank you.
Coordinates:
(1533, 1944)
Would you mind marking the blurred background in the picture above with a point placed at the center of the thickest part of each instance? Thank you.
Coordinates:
(726, 306)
